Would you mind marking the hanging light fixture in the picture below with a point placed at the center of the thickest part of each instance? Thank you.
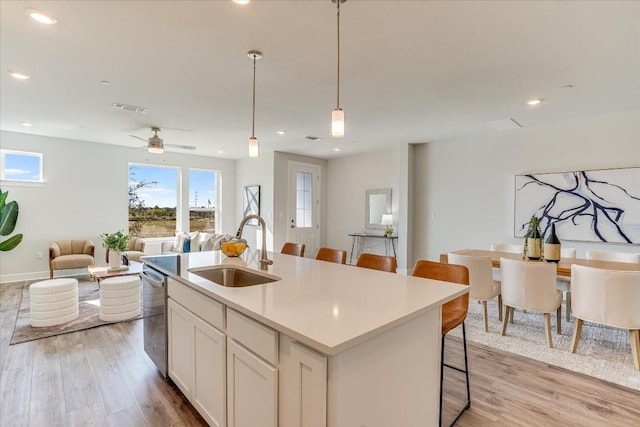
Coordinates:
(254, 147)
(337, 116)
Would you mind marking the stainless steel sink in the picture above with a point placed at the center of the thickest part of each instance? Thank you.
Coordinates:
(233, 277)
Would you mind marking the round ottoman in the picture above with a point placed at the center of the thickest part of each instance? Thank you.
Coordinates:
(119, 298)
(53, 302)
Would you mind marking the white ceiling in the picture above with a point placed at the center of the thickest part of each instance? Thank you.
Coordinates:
(412, 71)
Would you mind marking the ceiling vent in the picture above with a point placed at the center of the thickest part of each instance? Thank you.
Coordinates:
(131, 108)
(313, 138)
(504, 124)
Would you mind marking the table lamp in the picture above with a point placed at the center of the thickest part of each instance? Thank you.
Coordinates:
(387, 221)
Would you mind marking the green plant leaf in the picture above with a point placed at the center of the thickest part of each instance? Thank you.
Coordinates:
(11, 242)
(3, 198)
(8, 218)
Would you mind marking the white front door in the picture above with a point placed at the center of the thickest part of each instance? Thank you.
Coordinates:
(304, 206)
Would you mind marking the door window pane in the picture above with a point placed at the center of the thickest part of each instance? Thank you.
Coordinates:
(304, 199)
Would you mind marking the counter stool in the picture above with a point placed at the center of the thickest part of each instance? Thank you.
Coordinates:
(53, 302)
(119, 298)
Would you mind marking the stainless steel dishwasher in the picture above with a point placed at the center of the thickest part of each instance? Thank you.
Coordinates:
(154, 306)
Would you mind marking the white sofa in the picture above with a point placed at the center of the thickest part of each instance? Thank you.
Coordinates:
(198, 242)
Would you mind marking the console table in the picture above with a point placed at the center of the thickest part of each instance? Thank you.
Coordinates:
(358, 240)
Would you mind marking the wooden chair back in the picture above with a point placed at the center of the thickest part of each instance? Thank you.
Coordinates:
(332, 255)
(290, 248)
(377, 262)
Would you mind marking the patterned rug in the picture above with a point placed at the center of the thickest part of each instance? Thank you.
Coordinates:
(89, 307)
(603, 352)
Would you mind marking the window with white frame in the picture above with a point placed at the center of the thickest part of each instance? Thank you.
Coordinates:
(202, 200)
(153, 200)
(21, 166)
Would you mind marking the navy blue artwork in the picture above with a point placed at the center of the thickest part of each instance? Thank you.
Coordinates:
(595, 205)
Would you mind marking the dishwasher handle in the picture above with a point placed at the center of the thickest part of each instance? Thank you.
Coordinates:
(152, 280)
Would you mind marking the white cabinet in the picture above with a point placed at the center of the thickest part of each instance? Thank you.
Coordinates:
(252, 387)
(308, 379)
(197, 355)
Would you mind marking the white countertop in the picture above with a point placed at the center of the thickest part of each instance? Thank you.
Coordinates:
(327, 306)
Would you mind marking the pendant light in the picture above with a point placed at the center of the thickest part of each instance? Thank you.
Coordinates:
(254, 147)
(337, 116)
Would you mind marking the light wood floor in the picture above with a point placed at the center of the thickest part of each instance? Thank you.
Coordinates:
(102, 377)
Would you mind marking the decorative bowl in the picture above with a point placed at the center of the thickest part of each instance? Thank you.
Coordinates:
(233, 247)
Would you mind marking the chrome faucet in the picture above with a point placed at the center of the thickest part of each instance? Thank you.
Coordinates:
(264, 261)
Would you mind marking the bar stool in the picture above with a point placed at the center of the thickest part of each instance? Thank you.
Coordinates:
(332, 255)
(290, 248)
(453, 314)
(377, 262)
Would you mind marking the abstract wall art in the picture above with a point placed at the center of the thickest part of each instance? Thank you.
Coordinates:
(251, 202)
(592, 205)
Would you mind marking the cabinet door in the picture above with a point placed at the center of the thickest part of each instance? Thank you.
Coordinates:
(308, 387)
(180, 347)
(252, 389)
(209, 388)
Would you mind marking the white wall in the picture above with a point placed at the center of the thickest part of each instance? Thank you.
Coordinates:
(85, 194)
(468, 183)
(256, 171)
(348, 179)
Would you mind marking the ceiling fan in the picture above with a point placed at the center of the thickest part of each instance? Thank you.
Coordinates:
(155, 144)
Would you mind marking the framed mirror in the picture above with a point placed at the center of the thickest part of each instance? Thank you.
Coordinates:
(377, 203)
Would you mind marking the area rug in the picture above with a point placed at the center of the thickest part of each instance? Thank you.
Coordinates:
(603, 352)
(89, 307)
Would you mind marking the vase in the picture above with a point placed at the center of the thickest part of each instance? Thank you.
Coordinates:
(552, 246)
(115, 260)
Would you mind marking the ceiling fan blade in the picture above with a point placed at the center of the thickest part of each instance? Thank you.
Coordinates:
(137, 137)
(183, 147)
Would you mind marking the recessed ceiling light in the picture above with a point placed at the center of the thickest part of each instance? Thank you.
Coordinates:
(26, 124)
(281, 132)
(567, 87)
(105, 82)
(535, 101)
(241, 1)
(41, 17)
(336, 149)
(19, 76)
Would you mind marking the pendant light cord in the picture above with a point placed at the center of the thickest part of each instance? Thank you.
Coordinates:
(338, 77)
(253, 119)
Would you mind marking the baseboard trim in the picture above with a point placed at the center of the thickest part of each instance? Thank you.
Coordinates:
(41, 275)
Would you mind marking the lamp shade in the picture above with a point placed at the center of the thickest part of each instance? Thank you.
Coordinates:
(254, 148)
(337, 123)
(387, 219)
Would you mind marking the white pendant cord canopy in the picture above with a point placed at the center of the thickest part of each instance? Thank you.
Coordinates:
(254, 147)
(337, 116)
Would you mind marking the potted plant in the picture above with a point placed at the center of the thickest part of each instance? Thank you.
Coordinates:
(116, 243)
(8, 218)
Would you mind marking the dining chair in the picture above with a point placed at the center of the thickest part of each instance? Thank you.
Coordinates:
(613, 256)
(505, 247)
(332, 255)
(453, 314)
(607, 297)
(483, 287)
(564, 283)
(531, 286)
(377, 262)
(290, 248)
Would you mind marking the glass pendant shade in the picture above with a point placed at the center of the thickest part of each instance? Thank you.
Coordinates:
(254, 147)
(155, 150)
(337, 123)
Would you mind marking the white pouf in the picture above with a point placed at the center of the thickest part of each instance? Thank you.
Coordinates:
(53, 302)
(119, 298)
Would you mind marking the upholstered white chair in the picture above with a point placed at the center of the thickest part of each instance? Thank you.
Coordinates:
(607, 297)
(505, 247)
(481, 283)
(613, 256)
(531, 286)
(564, 283)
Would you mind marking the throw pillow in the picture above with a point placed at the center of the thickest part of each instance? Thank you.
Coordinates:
(178, 242)
(186, 245)
(195, 241)
(208, 244)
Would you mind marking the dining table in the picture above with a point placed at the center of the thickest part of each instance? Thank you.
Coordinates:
(563, 266)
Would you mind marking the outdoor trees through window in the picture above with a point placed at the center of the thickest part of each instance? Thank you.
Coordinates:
(153, 198)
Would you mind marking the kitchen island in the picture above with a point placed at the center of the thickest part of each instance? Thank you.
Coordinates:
(322, 345)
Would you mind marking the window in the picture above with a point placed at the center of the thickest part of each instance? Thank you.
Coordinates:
(153, 198)
(202, 200)
(304, 193)
(21, 166)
